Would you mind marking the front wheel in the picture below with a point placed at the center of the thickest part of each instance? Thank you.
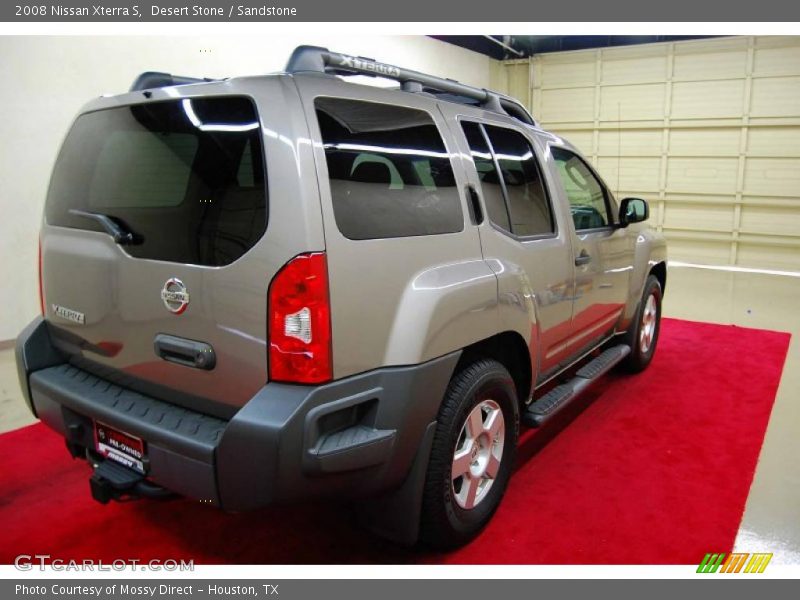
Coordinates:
(472, 454)
(643, 333)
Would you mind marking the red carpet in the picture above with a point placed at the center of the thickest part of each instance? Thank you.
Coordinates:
(653, 468)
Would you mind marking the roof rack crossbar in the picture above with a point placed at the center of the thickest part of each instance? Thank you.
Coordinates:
(321, 60)
(155, 79)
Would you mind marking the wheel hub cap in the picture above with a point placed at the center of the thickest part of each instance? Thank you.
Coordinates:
(478, 453)
(647, 329)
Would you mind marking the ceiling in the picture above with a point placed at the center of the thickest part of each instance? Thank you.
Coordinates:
(521, 46)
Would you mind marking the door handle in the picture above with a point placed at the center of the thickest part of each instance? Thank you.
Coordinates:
(476, 214)
(584, 258)
(188, 353)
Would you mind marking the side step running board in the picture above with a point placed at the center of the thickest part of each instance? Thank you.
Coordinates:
(557, 398)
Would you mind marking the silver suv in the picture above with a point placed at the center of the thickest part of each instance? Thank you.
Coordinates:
(277, 288)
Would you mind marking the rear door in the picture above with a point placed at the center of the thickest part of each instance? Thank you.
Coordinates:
(524, 235)
(186, 179)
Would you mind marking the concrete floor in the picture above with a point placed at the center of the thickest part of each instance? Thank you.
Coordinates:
(771, 521)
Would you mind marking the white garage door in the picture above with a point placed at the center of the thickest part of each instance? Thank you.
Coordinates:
(707, 131)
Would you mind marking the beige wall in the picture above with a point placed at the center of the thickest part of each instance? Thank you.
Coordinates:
(707, 131)
(45, 80)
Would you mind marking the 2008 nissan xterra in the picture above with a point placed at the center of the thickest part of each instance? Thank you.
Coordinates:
(291, 286)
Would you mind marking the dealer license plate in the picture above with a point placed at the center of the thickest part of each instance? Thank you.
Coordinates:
(119, 446)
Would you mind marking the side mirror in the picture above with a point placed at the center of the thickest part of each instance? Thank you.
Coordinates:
(633, 210)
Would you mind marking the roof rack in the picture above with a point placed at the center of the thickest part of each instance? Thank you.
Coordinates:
(321, 60)
(154, 79)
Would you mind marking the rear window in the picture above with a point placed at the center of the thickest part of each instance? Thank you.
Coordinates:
(186, 177)
(390, 173)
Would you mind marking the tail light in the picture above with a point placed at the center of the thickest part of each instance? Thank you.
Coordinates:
(41, 288)
(300, 321)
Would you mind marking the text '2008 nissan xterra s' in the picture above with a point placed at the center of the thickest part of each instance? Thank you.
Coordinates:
(286, 287)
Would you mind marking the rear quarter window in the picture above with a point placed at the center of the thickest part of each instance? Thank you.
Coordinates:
(390, 173)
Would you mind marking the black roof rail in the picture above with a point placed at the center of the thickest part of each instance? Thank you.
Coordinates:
(154, 79)
(321, 60)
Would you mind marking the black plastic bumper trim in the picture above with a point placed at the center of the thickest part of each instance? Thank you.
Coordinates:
(191, 433)
(272, 449)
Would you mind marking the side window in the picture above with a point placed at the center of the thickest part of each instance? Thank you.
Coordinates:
(511, 182)
(491, 188)
(528, 205)
(390, 173)
(587, 196)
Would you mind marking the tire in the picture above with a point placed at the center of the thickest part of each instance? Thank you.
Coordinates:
(449, 519)
(643, 343)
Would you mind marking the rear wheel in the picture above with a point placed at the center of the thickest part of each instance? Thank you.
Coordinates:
(643, 333)
(472, 454)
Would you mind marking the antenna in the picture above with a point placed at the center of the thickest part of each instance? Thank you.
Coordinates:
(619, 143)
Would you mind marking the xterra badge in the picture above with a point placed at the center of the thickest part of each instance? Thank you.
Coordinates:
(69, 314)
(175, 296)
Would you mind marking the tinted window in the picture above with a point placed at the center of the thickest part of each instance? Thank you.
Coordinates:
(586, 194)
(528, 205)
(186, 177)
(491, 188)
(390, 173)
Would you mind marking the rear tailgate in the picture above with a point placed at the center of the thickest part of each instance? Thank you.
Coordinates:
(186, 179)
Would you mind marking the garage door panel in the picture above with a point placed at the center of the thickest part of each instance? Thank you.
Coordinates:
(700, 217)
(634, 70)
(782, 59)
(707, 141)
(576, 70)
(705, 60)
(702, 175)
(708, 131)
(707, 99)
(630, 142)
(774, 141)
(632, 102)
(776, 97)
(634, 174)
(772, 177)
(770, 220)
(568, 105)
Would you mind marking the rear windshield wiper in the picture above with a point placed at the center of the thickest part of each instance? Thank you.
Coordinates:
(112, 227)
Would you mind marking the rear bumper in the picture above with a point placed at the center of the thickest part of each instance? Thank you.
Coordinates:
(347, 439)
